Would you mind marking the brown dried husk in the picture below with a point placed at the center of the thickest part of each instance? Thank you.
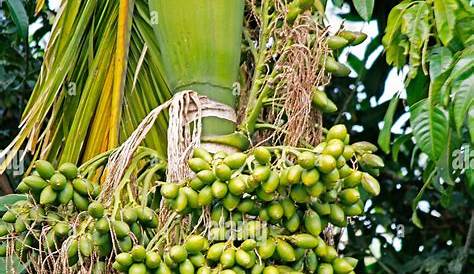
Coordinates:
(299, 51)
(298, 56)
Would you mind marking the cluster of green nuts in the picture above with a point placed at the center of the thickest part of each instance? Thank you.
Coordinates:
(138, 260)
(53, 196)
(324, 178)
(270, 207)
(186, 258)
(60, 215)
(128, 220)
(52, 187)
(124, 230)
(24, 221)
(197, 256)
(267, 210)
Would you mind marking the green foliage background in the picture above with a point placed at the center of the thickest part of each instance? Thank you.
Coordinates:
(20, 61)
(430, 38)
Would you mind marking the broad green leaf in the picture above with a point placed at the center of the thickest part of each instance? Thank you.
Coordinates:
(19, 16)
(444, 11)
(364, 8)
(444, 164)
(440, 60)
(417, 88)
(464, 18)
(397, 53)
(464, 63)
(442, 87)
(384, 136)
(397, 144)
(430, 127)
(10, 199)
(441, 64)
(392, 39)
(394, 22)
(416, 26)
(463, 100)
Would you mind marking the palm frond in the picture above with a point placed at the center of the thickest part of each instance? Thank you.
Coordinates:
(101, 75)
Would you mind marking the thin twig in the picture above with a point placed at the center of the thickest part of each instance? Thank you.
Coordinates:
(345, 105)
(384, 266)
(469, 236)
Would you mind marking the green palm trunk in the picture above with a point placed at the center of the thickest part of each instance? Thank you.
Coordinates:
(200, 48)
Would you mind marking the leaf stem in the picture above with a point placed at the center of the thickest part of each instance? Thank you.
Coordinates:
(254, 101)
(345, 105)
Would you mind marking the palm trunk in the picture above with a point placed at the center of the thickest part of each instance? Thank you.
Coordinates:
(200, 45)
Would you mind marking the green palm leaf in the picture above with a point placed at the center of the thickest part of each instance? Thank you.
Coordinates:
(68, 115)
(430, 127)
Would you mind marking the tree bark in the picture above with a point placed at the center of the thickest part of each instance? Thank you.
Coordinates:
(5, 186)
